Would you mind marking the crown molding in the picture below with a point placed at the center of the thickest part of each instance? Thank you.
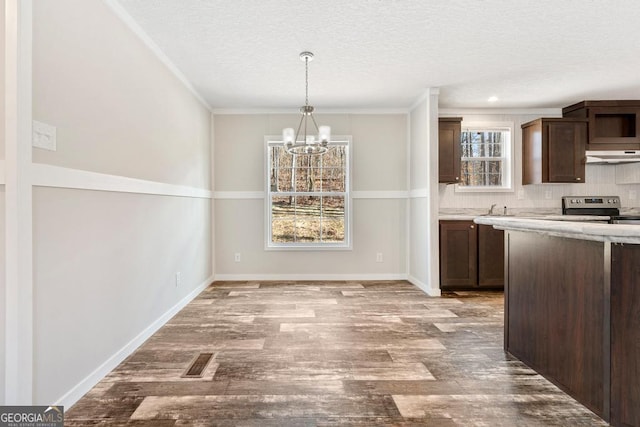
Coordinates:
(124, 16)
(231, 111)
(547, 112)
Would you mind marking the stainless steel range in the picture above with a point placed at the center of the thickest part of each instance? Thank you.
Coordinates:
(597, 205)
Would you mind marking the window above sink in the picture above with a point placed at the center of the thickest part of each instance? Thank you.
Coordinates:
(486, 157)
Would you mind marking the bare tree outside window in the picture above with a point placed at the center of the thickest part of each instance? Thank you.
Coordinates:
(484, 158)
(308, 197)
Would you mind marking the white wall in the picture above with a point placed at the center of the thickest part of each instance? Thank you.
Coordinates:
(2, 290)
(418, 137)
(2, 65)
(2, 208)
(599, 179)
(104, 270)
(379, 153)
(116, 108)
(423, 268)
(105, 262)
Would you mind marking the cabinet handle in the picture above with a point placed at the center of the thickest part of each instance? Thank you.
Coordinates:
(457, 178)
(472, 226)
(578, 179)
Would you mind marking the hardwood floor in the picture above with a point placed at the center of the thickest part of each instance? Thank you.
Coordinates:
(329, 354)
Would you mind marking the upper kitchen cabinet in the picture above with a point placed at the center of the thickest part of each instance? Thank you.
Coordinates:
(449, 129)
(553, 150)
(613, 125)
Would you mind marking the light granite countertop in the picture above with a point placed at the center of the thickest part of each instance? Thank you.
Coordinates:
(551, 217)
(618, 233)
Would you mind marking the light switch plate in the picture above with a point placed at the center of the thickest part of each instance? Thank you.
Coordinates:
(43, 136)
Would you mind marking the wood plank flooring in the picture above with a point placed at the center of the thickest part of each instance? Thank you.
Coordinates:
(329, 354)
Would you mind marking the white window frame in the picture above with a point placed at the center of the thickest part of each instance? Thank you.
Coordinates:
(270, 140)
(507, 158)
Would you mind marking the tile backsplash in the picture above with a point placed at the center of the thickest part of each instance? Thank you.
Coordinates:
(600, 180)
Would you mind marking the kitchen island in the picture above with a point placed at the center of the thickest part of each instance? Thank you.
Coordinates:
(572, 309)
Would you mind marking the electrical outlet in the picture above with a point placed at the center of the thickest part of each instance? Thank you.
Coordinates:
(521, 194)
(379, 257)
(178, 278)
(633, 194)
(236, 257)
(43, 136)
(548, 194)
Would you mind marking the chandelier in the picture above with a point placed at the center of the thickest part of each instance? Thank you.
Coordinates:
(300, 142)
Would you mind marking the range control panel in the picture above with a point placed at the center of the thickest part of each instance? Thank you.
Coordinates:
(599, 205)
(582, 202)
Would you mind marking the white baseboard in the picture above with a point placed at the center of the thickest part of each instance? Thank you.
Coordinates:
(287, 277)
(290, 277)
(423, 287)
(80, 389)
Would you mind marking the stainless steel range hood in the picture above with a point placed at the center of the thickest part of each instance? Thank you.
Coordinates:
(612, 157)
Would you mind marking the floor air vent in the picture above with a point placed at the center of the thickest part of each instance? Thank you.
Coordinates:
(198, 366)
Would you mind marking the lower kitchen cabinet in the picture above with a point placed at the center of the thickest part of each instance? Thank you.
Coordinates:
(490, 257)
(471, 256)
(458, 254)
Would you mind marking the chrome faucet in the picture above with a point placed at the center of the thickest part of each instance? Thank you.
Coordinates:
(491, 209)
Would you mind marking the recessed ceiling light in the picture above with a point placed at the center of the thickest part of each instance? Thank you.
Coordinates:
(492, 98)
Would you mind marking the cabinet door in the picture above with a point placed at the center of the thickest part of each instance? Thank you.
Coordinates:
(532, 153)
(449, 150)
(458, 254)
(566, 145)
(490, 257)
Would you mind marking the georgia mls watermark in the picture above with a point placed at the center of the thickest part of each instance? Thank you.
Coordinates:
(31, 416)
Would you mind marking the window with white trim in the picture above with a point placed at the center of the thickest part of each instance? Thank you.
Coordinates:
(486, 159)
(308, 198)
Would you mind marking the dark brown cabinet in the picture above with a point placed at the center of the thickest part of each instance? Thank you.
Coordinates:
(449, 129)
(625, 335)
(458, 254)
(471, 256)
(553, 150)
(613, 125)
(490, 257)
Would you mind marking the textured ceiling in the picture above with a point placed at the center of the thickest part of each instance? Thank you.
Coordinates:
(383, 54)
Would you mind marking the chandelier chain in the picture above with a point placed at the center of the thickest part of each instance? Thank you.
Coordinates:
(306, 81)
